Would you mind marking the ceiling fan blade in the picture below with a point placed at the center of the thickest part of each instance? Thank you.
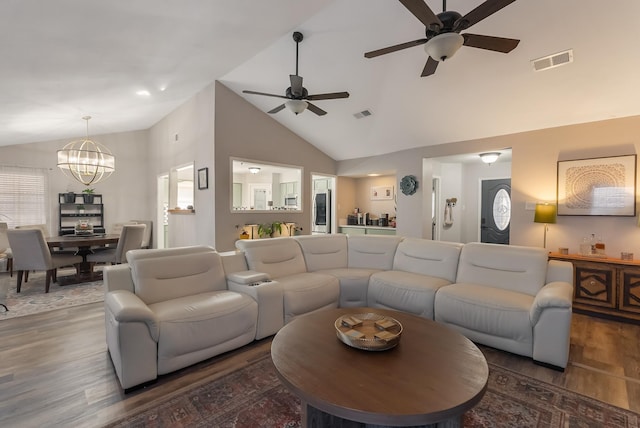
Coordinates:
(331, 96)
(423, 12)
(296, 85)
(265, 94)
(395, 48)
(429, 67)
(317, 110)
(277, 109)
(481, 12)
(491, 43)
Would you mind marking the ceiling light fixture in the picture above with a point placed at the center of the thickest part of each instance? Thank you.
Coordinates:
(444, 46)
(85, 160)
(254, 169)
(489, 157)
(296, 106)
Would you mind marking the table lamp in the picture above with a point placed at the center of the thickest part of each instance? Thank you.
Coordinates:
(545, 213)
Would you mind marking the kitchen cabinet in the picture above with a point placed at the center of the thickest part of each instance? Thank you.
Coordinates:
(605, 287)
(367, 230)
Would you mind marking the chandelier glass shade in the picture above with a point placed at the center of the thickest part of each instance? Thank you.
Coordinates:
(86, 160)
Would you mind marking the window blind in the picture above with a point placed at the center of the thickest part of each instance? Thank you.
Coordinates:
(23, 195)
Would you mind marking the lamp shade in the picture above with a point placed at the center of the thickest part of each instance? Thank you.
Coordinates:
(545, 213)
(296, 106)
(443, 45)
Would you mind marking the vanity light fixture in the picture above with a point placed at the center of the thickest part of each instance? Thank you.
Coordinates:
(489, 157)
(254, 169)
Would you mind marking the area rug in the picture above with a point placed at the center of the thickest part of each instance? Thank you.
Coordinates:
(32, 299)
(254, 397)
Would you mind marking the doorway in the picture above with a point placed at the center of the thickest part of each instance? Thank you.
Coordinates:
(495, 211)
(162, 213)
(323, 203)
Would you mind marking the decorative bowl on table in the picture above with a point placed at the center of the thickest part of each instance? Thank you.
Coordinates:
(368, 331)
(83, 228)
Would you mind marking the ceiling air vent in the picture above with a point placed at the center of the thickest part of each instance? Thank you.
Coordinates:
(363, 113)
(551, 61)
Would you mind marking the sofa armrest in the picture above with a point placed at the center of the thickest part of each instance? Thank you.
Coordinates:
(270, 298)
(127, 307)
(556, 294)
(118, 277)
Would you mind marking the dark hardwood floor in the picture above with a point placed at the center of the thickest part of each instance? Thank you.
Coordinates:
(55, 370)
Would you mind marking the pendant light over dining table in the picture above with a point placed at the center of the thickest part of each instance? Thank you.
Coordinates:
(86, 160)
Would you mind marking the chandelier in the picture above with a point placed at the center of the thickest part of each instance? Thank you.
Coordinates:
(85, 160)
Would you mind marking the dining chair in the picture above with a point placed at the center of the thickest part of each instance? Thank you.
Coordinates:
(148, 232)
(42, 227)
(130, 239)
(5, 248)
(30, 252)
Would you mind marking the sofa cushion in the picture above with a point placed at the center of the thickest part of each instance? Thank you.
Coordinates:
(372, 252)
(354, 284)
(278, 257)
(307, 292)
(404, 291)
(427, 257)
(324, 251)
(490, 310)
(510, 267)
(157, 279)
(196, 322)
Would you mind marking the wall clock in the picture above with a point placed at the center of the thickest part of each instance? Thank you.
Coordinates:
(408, 185)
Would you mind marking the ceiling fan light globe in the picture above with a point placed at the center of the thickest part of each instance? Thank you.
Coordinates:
(296, 106)
(443, 46)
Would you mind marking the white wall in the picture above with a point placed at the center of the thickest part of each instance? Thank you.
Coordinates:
(533, 178)
(124, 194)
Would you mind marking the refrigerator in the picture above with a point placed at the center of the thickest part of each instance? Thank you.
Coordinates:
(321, 213)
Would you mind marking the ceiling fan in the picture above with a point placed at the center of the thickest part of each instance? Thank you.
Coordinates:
(298, 95)
(443, 36)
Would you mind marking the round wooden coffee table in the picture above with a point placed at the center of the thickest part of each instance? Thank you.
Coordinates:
(430, 378)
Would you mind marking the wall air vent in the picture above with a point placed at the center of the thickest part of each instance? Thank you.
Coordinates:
(551, 61)
(363, 113)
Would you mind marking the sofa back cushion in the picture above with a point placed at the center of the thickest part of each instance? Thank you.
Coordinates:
(372, 252)
(324, 251)
(169, 273)
(277, 257)
(509, 267)
(427, 257)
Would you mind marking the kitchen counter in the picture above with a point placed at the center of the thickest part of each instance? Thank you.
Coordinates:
(367, 230)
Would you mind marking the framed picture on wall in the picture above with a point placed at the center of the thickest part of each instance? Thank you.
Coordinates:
(597, 186)
(203, 178)
(381, 193)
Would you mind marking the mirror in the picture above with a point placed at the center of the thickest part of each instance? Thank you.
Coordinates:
(181, 188)
(261, 186)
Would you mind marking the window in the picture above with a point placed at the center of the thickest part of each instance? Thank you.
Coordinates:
(23, 195)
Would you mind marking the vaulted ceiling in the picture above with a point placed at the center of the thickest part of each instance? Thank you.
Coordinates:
(66, 59)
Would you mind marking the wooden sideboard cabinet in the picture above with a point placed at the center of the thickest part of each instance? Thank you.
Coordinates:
(605, 286)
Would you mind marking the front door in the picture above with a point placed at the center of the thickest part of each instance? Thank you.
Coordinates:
(495, 212)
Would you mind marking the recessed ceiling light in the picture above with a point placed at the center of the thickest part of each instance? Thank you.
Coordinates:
(373, 175)
(143, 93)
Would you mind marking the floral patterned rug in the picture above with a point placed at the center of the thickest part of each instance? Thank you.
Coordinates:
(254, 397)
(32, 299)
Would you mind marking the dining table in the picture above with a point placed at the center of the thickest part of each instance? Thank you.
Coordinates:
(84, 245)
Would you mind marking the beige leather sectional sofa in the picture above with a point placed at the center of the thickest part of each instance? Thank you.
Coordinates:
(170, 308)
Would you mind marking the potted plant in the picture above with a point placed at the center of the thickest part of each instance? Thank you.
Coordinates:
(69, 198)
(80, 209)
(87, 195)
(268, 230)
